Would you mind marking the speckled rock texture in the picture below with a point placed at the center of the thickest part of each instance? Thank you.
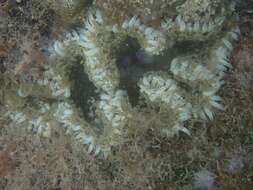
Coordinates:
(126, 94)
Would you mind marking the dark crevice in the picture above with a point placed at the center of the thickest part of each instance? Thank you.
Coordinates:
(133, 62)
(82, 91)
(189, 46)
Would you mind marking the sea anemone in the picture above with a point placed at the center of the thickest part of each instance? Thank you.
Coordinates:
(204, 180)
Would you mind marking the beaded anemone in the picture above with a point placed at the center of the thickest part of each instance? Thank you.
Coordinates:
(187, 90)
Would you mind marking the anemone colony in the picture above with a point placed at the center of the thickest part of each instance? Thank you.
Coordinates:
(188, 90)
